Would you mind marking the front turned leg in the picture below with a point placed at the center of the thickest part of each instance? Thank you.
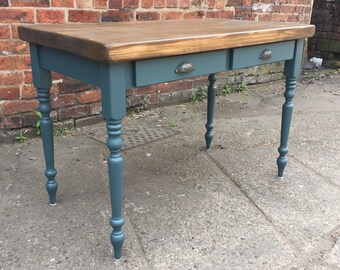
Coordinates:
(287, 111)
(210, 110)
(47, 138)
(115, 163)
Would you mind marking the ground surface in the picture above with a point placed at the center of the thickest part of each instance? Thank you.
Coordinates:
(184, 207)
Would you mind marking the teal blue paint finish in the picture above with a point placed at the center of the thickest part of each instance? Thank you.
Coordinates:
(113, 86)
(210, 110)
(292, 71)
(115, 163)
(42, 81)
(293, 67)
(163, 69)
(249, 56)
(75, 66)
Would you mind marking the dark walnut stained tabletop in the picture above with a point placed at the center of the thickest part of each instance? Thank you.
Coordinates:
(128, 41)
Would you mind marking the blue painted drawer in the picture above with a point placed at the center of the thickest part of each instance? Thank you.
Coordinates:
(153, 71)
(251, 56)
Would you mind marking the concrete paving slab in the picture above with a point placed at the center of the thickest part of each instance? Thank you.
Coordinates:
(303, 206)
(188, 215)
(323, 157)
(73, 234)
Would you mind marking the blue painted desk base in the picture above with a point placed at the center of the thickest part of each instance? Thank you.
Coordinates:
(114, 79)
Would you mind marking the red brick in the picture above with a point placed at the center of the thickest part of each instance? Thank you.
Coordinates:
(172, 15)
(89, 96)
(100, 4)
(279, 17)
(50, 16)
(62, 3)
(30, 3)
(219, 4)
(211, 3)
(147, 16)
(159, 3)
(194, 14)
(171, 3)
(115, 4)
(14, 47)
(63, 101)
(7, 62)
(15, 34)
(166, 87)
(265, 17)
(23, 62)
(28, 92)
(5, 31)
(4, 3)
(213, 14)
(11, 78)
(153, 99)
(9, 93)
(184, 3)
(84, 3)
(117, 16)
(147, 3)
(227, 14)
(149, 89)
(247, 3)
(28, 77)
(73, 112)
(183, 85)
(83, 16)
(19, 106)
(10, 122)
(16, 15)
(95, 108)
(131, 3)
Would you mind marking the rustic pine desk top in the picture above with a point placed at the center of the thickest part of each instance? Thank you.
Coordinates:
(117, 56)
(126, 41)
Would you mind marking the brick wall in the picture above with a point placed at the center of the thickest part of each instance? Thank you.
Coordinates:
(74, 100)
(326, 42)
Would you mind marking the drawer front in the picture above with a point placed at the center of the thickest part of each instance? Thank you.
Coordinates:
(166, 69)
(262, 54)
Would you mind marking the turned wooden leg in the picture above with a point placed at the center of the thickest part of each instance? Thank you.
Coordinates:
(115, 163)
(210, 110)
(114, 109)
(287, 112)
(42, 81)
(292, 71)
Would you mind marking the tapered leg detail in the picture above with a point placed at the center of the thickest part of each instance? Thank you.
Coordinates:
(287, 111)
(115, 163)
(47, 138)
(210, 110)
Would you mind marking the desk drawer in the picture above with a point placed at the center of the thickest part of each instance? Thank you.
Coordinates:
(262, 54)
(166, 69)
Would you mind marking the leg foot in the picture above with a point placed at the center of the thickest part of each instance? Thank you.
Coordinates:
(210, 110)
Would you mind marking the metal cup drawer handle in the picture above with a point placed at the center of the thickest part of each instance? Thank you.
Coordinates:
(185, 67)
(265, 54)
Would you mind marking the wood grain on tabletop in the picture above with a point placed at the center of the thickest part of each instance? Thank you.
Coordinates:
(125, 41)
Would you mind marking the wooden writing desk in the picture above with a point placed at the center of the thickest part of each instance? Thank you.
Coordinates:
(118, 56)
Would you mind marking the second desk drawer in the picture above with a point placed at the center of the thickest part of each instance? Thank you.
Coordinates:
(262, 54)
(158, 70)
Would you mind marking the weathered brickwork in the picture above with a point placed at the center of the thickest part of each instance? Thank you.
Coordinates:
(74, 100)
(326, 42)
